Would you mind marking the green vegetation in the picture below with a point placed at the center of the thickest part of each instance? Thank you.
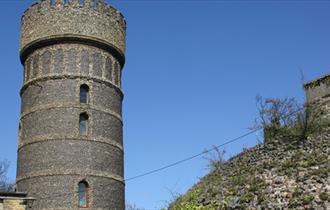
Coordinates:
(324, 196)
(299, 198)
(256, 184)
(315, 158)
(238, 180)
(246, 198)
(308, 199)
(190, 202)
(321, 172)
(293, 150)
(287, 120)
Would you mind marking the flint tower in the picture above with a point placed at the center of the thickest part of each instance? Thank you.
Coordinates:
(70, 152)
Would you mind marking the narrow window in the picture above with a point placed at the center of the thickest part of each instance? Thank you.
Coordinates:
(84, 93)
(108, 68)
(46, 59)
(20, 133)
(83, 190)
(115, 73)
(35, 66)
(28, 69)
(83, 123)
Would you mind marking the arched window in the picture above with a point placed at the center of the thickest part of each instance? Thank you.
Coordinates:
(83, 124)
(83, 191)
(84, 93)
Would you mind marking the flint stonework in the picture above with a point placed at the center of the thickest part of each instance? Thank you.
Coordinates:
(58, 62)
(46, 62)
(108, 68)
(64, 45)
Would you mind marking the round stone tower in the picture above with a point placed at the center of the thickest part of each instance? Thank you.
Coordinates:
(70, 152)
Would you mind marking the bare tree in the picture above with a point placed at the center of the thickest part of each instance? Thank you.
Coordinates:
(132, 207)
(5, 184)
(216, 158)
(277, 112)
(287, 118)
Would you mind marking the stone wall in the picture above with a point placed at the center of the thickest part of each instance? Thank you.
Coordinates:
(15, 201)
(318, 88)
(283, 174)
(318, 94)
(12, 204)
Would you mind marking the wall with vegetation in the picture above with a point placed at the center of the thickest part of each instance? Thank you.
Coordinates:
(284, 173)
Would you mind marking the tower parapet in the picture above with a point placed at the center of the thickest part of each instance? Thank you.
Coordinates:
(90, 21)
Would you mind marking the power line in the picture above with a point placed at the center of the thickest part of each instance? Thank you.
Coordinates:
(192, 157)
(276, 1)
(204, 152)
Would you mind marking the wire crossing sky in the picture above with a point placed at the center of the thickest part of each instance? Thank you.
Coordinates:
(192, 72)
(205, 152)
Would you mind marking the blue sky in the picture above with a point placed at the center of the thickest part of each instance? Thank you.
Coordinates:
(193, 71)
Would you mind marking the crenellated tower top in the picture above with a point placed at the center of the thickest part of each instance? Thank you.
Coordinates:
(90, 21)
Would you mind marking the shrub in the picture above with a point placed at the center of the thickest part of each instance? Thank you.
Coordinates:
(246, 198)
(308, 199)
(324, 196)
(288, 120)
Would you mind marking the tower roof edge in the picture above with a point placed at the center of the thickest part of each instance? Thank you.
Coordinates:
(89, 18)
